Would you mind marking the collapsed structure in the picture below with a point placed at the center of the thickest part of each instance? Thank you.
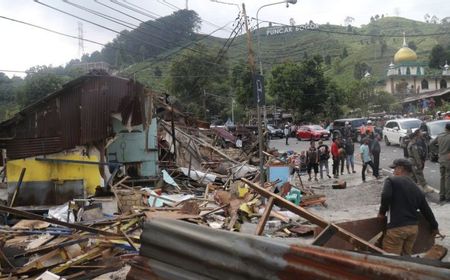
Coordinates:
(104, 156)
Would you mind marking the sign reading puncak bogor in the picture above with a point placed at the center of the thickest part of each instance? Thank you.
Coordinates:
(288, 29)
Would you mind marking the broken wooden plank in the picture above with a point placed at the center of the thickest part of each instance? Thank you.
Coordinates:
(33, 216)
(19, 183)
(264, 217)
(344, 234)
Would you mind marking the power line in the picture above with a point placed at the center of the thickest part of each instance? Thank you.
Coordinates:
(99, 25)
(63, 34)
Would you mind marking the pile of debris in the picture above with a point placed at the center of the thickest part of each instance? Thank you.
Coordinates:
(203, 183)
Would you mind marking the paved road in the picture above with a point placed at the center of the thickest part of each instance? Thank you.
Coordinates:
(388, 154)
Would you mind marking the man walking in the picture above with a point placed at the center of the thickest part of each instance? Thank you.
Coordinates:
(324, 156)
(286, 133)
(375, 150)
(417, 157)
(349, 151)
(312, 160)
(365, 158)
(443, 143)
(402, 198)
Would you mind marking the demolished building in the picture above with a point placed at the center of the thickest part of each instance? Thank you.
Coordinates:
(62, 140)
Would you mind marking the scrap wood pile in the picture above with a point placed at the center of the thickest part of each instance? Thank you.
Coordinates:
(208, 186)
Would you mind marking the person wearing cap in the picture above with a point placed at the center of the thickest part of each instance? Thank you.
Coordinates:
(417, 155)
(365, 158)
(347, 131)
(402, 198)
(324, 156)
(443, 143)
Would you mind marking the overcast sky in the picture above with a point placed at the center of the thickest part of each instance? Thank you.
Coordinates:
(23, 46)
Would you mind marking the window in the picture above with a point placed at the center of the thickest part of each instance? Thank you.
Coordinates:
(408, 71)
(443, 83)
(424, 84)
(389, 125)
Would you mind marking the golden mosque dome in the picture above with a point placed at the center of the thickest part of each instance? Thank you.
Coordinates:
(405, 54)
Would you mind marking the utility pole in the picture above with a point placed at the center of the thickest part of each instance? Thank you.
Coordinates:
(251, 62)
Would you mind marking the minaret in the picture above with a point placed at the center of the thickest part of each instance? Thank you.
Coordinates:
(404, 40)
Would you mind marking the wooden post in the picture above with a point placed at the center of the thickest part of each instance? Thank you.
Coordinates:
(264, 217)
(342, 233)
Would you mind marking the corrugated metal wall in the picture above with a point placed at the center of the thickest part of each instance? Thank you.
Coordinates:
(78, 114)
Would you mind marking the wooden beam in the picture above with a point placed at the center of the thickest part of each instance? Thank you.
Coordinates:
(265, 216)
(33, 216)
(342, 233)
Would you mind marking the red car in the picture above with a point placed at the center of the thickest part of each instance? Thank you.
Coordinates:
(312, 132)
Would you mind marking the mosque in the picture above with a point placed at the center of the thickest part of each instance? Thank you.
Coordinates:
(408, 76)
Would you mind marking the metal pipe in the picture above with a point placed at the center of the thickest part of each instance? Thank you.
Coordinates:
(69, 161)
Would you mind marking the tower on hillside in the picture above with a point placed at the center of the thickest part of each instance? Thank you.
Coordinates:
(80, 40)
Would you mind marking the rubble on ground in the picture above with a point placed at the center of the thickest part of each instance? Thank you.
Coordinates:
(206, 183)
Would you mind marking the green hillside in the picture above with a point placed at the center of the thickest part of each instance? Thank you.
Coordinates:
(373, 44)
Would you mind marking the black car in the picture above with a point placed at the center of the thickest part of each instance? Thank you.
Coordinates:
(339, 125)
(431, 131)
(275, 132)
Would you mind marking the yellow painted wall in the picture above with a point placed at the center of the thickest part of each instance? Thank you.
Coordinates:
(49, 171)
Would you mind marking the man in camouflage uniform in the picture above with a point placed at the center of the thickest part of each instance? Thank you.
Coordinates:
(443, 142)
(417, 157)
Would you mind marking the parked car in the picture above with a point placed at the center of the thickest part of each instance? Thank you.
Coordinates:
(395, 131)
(339, 125)
(432, 130)
(275, 132)
(312, 132)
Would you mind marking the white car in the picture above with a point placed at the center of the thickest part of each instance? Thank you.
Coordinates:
(395, 131)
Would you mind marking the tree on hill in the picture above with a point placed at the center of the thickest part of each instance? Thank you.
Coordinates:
(344, 53)
(327, 60)
(39, 82)
(360, 69)
(300, 87)
(438, 56)
(241, 83)
(149, 39)
(192, 75)
(412, 45)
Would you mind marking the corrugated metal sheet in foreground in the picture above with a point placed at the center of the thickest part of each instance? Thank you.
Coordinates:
(179, 250)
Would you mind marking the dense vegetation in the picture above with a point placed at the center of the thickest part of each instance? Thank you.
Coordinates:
(314, 73)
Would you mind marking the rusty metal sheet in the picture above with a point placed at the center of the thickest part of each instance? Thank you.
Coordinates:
(173, 249)
(22, 148)
(78, 114)
(369, 228)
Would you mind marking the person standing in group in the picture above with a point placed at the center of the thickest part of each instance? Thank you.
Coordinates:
(417, 156)
(342, 156)
(312, 160)
(335, 155)
(402, 198)
(324, 156)
(365, 157)
(443, 143)
(350, 158)
(375, 150)
(286, 133)
(348, 130)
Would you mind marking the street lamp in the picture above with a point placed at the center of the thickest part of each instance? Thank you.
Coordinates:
(287, 2)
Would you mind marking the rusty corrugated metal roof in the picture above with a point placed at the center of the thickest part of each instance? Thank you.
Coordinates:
(78, 114)
(22, 148)
(173, 249)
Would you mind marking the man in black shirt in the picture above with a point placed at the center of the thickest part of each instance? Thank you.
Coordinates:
(402, 198)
